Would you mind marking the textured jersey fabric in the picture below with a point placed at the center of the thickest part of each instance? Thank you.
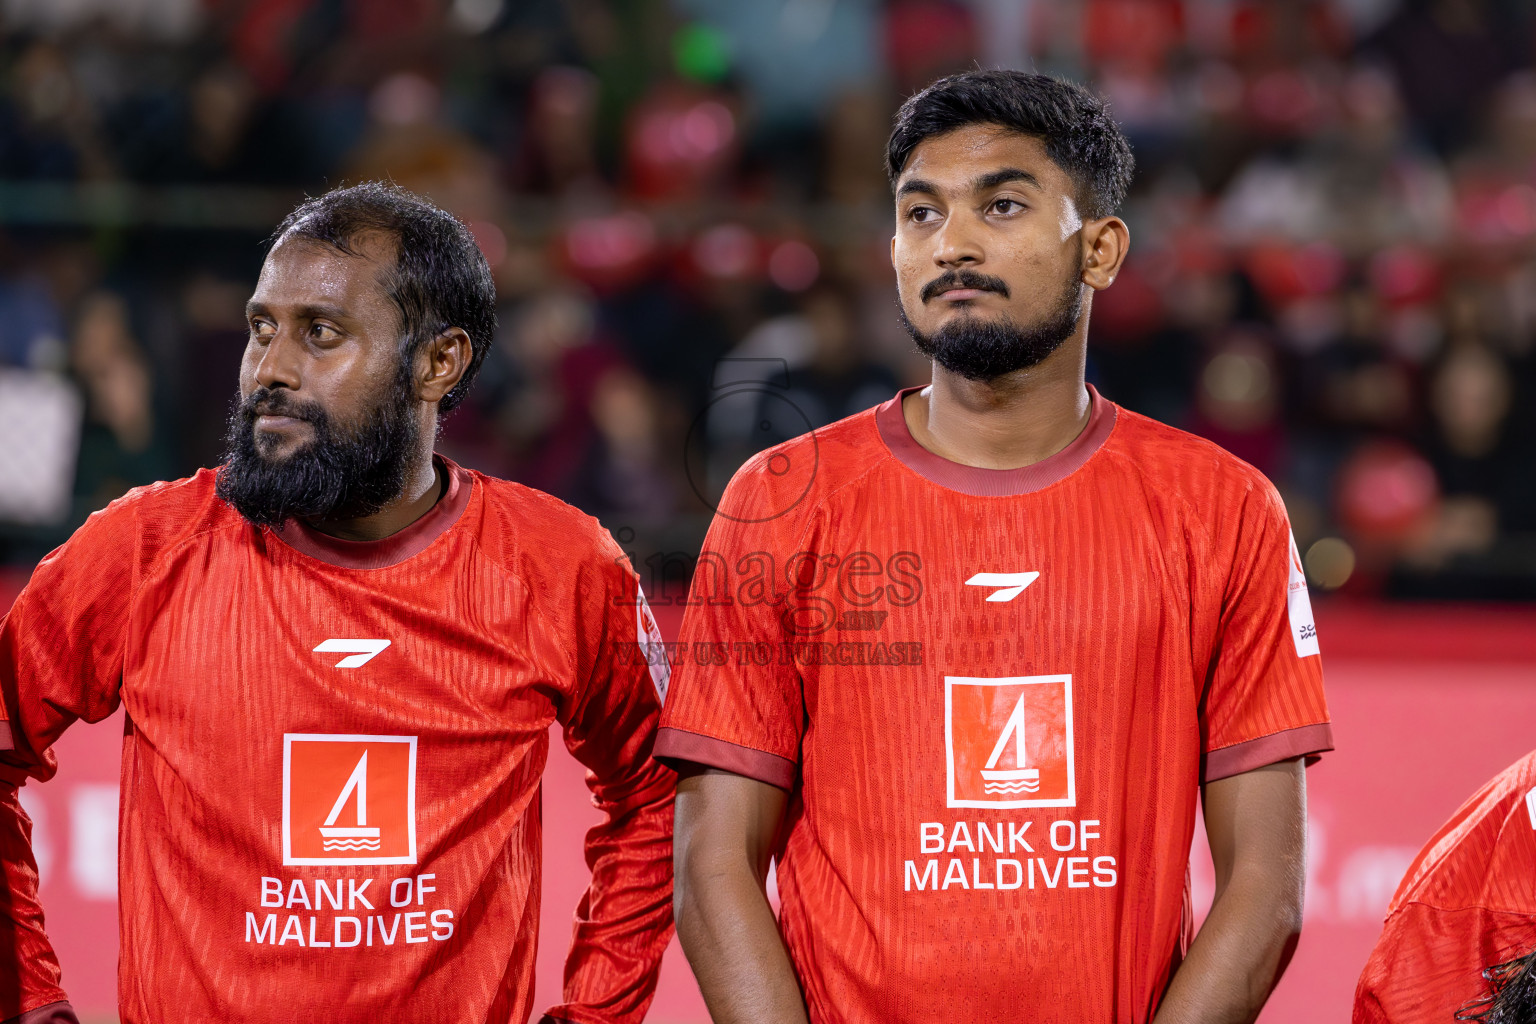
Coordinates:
(330, 780)
(992, 696)
(1468, 902)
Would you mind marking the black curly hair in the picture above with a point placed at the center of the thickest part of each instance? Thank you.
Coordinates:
(1511, 995)
(1073, 123)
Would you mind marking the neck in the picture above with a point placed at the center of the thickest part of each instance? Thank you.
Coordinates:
(424, 485)
(1011, 422)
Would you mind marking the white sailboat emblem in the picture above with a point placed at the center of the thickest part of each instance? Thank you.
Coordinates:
(361, 836)
(1011, 780)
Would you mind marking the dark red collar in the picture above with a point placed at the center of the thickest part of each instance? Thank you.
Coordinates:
(397, 547)
(994, 483)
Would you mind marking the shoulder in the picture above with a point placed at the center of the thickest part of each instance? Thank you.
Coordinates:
(117, 547)
(523, 528)
(786, 483)
(160, 515)
(1473, 857)
(1177, 463)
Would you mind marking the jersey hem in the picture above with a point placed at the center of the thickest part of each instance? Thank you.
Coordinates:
(673, 744)
(1306, 740)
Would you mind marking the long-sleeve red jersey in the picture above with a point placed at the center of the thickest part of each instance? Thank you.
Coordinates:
(330, 780)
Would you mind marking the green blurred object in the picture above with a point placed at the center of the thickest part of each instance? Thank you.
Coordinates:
(701, 53)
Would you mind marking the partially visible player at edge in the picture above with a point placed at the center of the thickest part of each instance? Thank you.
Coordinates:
(1459, 940)
(1016, 630)
(340, 656)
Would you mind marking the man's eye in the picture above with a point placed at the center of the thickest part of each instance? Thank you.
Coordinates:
(262, 329)
(922, 214)
(323, 332)
(1006, 206)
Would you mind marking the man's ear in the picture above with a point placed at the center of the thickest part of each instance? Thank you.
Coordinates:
(442, 363)
(1105, 244)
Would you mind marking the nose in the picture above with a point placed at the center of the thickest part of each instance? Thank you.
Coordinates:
(277, 363)
(956, 244)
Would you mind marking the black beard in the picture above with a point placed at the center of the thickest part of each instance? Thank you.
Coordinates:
(335, 475)
(984, 349)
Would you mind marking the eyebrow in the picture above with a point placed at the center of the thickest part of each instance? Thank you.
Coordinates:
(984, 183)
(1003, 176)
(917, 185)
(310, 312)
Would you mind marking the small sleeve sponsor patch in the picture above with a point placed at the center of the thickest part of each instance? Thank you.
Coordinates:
(1299, 605)
(648, 636)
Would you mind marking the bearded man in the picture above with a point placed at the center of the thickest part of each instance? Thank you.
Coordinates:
(340, 655)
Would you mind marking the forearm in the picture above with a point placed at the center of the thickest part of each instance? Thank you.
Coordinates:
(1256, 824)
(733, 943)
(1239, 955)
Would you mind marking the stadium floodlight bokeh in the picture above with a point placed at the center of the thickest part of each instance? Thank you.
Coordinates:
(1332, 266)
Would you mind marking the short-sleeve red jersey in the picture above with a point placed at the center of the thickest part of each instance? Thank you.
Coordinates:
(1468, 902)
(992, 696)
(330, 780)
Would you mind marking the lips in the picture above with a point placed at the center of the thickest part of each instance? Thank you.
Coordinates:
(274, 421)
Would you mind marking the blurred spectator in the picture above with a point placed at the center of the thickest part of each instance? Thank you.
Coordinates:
(558, 154)
(1449, 55)
(1238, 402)
(831, 376)
(624, 476)
(50, 128)
(1479, 462)
(122, 446)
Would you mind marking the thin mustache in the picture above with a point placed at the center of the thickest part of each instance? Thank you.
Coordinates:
(964, 279)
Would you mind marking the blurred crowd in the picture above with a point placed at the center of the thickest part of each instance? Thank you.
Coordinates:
(1333, 269)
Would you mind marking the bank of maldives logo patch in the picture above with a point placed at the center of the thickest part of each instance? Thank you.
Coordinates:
(1008, 741)
(349, 799)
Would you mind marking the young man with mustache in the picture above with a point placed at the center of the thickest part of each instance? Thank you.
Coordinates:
(340, 655)
(1010, 632)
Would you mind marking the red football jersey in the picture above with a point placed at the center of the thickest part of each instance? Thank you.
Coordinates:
(330, 782)
(992, 696)
(1468, 902)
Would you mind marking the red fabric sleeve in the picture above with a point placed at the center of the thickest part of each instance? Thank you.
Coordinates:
(737, 703)
(624, 920)
(1264, 702)
(61, 659)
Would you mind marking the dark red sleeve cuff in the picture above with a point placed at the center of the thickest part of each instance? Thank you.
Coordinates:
(1307, 740)
(54, 1013)
(674, 745)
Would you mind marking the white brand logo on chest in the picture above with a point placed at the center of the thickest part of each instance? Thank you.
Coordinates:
(359, 652)
(1010, 584)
